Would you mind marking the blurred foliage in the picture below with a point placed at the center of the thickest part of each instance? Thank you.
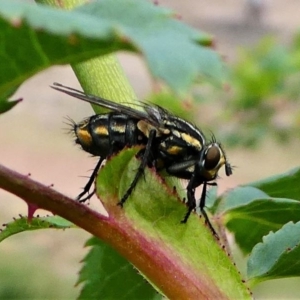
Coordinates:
(6, 105)
(53, 36)
(262, 99)
(23, 276)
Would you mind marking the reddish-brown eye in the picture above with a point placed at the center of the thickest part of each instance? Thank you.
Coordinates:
(212, 158)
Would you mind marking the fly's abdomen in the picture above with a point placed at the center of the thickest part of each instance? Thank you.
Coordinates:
(106, 134)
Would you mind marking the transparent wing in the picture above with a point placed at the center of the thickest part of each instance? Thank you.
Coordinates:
(152, 114)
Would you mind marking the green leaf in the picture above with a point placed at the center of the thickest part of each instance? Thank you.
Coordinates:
(237, 197)
(107, 275)
(22, 224)
(6, 105)
(151, 219)
(284, 185)
(250, 214)
(51, 36)
(277, 256)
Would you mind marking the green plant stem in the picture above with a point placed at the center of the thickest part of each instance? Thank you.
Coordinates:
(104, 76)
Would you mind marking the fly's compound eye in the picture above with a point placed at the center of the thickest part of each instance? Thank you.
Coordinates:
(213, 160)
(212, 157)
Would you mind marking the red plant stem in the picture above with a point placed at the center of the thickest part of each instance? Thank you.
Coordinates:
(154, 262)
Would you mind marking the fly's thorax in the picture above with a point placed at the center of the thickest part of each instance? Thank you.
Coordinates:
(188, 132)
(180, 145)
(145, 127)
(212, 160)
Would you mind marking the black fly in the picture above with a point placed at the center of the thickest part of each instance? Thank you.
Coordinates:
(168, 142)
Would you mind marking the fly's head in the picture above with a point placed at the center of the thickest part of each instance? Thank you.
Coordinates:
(212, 159)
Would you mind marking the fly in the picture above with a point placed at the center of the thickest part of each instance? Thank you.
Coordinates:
(168, 142)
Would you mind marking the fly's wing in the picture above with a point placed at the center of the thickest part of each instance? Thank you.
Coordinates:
(150, 114)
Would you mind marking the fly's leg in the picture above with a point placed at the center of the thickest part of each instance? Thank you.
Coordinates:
(191, 201)
(202, 205)
(87, 187)
(140, 171)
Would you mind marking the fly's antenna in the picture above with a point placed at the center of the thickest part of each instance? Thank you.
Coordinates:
(213, 137)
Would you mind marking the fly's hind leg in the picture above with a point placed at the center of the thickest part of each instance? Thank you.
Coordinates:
(140, 171)
(87, 187)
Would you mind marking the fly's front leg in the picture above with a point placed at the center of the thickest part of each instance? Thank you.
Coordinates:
(203, 212)
(191, 202)
(140, 171)
(89, 184)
